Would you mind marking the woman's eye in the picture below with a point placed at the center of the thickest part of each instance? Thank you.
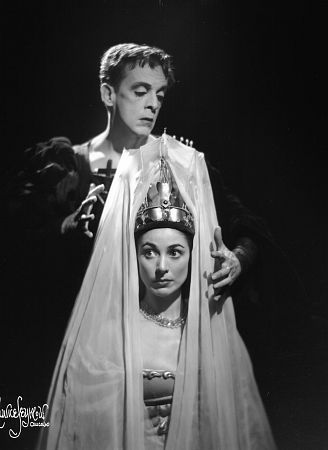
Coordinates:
(140, 93)
(148, 253)
(160, 98)
(175, 253)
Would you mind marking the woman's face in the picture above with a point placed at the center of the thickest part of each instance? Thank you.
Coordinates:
(163, 257)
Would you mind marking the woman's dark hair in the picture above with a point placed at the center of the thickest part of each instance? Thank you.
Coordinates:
(117, 58)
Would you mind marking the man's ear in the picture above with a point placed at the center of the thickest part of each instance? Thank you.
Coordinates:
(107, 94)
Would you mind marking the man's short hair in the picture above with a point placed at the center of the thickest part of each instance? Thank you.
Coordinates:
(121, 56)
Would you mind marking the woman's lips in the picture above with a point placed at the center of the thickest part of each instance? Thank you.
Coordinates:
(160, 282)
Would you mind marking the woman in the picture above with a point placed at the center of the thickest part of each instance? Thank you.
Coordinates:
(163, 257)
(104, 380)
(164, 233)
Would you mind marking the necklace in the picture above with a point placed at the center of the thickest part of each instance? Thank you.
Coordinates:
(160, 320)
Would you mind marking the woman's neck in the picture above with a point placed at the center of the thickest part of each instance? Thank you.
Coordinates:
(170, 307)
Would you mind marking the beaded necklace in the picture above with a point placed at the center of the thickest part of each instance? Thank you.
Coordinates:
(160, 320)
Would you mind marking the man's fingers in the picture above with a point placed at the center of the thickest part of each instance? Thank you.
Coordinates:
(83, 215)
(222, 283)
(221, 273)
(87, 204)
(89, 201)
(88, 233)
(218, 237)
(97, 190)
(218, 254)
(86, 217)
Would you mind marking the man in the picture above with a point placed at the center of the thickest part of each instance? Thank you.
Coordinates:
(133, 83)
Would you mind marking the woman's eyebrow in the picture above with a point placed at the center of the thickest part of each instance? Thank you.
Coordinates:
(150, 244)
(176, 245)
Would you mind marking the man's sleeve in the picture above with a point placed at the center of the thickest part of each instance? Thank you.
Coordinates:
(236, 220)
(44, 189)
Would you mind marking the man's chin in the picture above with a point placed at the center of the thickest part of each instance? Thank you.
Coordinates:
(143, 131)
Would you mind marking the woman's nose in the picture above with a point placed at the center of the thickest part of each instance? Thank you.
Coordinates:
(162, 266)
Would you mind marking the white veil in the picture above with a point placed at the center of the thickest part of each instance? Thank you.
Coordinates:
(96, 396)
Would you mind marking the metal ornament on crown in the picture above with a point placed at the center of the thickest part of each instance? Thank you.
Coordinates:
(163, 206)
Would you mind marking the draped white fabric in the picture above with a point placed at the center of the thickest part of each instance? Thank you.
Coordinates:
(96, 396)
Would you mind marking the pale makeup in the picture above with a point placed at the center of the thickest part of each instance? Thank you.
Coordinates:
(138, 99)
(163, 258)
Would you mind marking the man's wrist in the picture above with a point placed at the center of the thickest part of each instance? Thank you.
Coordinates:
(246, 252)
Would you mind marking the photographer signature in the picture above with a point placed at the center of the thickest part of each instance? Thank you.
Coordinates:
(26, 416)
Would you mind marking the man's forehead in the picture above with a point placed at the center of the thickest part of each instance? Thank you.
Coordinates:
(153, 76)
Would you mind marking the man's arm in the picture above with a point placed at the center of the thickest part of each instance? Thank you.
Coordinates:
(241, 236)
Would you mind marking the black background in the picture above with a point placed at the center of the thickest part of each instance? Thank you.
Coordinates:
(251, 93)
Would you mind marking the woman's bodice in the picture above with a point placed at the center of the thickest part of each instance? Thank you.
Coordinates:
(158, 394)
(158, 386)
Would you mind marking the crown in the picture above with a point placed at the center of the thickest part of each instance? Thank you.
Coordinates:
(163, 206)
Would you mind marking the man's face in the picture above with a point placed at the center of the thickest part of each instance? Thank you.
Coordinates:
(138, 99)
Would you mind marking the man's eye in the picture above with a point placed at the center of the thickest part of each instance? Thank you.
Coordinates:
(140, 93)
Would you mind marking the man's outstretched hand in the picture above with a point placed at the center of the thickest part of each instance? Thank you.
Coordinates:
(79, 219)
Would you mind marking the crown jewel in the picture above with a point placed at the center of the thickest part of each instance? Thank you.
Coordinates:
(163, 206)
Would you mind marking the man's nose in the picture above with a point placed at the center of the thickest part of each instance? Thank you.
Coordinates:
(153, 102)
